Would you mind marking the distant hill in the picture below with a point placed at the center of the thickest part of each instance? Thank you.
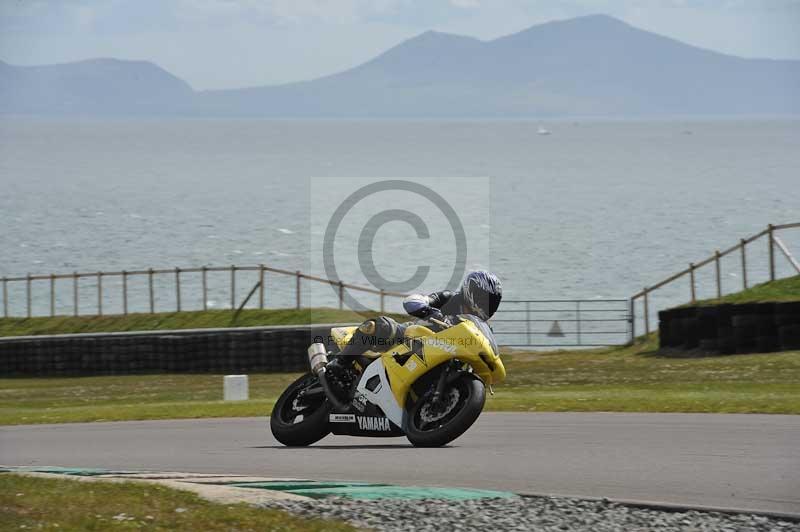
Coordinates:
(96, 86)
(587, 66)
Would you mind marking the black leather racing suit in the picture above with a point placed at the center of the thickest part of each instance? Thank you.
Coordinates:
(380, 334)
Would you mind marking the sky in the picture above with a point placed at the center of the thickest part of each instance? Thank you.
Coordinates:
(214, 44)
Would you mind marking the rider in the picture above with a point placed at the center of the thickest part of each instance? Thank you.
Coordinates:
(479, 295)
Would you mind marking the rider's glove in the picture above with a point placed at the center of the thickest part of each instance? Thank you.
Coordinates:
(418, 305)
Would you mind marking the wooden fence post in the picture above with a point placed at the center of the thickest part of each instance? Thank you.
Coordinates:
(646, 313)
(771, 252)
(719, 277)
(178, 288)
(744, 263)
(28, 294)
(75, 293)
(691, 280)
(341, 295)
(52, 295)
(99, 293)
(297, 287)
(233, 287)
(632, 319)
(204, 272)
(150, 289)
(124, 292)
(5, 297)
(261, 286)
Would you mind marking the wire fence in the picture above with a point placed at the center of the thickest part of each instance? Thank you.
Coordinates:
(163, 290)
(562, 322)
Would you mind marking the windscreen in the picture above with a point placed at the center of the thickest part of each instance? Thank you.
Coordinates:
(484, 328)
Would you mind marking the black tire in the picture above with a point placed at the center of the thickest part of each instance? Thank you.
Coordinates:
(725, 315)
(726, 345)
(471, 395)
(314, 425)
(709, 345)
(744, 339)
(766, 344)
(707, 323)
(745, 321)
(691, 339)
(789, 337)
(745, 331)
(664, 333)
(787, 319)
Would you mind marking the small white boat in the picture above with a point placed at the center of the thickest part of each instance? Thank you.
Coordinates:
(543, 131)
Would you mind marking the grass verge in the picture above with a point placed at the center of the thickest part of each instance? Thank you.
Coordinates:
(176, 320)
(627, 379)
(637, 379)
(54, 504)
(781, 290)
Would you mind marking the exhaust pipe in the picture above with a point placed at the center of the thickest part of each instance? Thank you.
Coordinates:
(317, 357)
(317, 360)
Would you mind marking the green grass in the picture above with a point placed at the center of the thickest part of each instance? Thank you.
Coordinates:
(637, 379)
(175, 320)
(55, 504)
(782, 290)
(119, 398)
(627, 379)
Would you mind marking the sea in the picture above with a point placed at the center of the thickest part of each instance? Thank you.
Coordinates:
(567, 209)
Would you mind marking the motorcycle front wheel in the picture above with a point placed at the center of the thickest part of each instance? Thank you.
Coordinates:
(300, 416)
(435, 424)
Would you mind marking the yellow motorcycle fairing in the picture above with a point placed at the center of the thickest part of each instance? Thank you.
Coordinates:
(428, 349)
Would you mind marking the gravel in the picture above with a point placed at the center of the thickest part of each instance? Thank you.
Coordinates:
(523, 513)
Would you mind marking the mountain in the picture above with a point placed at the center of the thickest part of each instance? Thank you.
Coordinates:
(594, 65)
(96, 86)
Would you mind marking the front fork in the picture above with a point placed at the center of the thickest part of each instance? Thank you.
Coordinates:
(449, 373)
(440, 384)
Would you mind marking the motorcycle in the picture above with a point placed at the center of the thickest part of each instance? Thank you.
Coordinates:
(430, 388)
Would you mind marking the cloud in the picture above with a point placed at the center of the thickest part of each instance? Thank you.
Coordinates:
(288, 12)
(465, 4)
(85, 16)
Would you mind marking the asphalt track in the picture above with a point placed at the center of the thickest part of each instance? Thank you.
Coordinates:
(749, 462)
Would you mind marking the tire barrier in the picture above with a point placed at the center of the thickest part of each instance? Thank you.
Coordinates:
(243, 350)
(728, 328)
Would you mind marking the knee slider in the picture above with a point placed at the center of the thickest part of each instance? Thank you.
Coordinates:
(368, 327)
(385, 328)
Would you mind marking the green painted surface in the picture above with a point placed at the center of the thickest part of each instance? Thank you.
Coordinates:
(365, 490)
(295, 485)
(310, 488)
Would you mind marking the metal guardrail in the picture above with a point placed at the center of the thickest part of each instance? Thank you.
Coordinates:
(562, 322)
(773, 243)
(178, 275)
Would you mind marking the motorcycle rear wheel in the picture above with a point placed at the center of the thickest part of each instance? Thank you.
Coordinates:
(312, 427)
(431, 425)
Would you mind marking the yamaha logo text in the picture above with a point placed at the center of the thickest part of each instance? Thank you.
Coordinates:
(373, 423)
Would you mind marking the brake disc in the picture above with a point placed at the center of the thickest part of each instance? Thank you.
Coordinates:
(430, 415)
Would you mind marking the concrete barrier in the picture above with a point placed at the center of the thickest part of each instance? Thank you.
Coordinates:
(238, 350)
